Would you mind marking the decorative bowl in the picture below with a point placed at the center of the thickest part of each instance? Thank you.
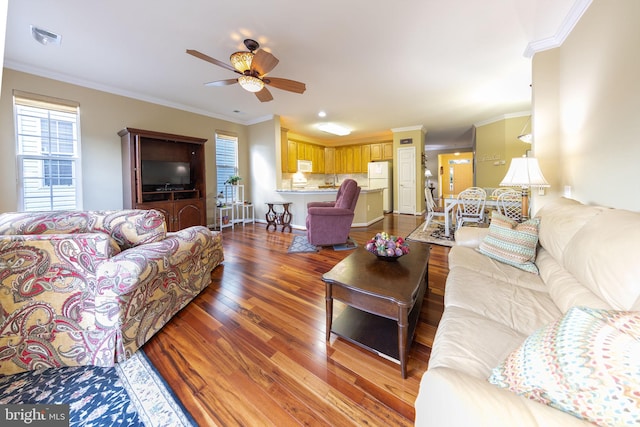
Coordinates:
(387, 247)
(388, 258)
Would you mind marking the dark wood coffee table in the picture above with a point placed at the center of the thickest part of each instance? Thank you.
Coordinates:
(383, 300)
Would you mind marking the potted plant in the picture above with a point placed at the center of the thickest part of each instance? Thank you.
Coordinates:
(233, 180)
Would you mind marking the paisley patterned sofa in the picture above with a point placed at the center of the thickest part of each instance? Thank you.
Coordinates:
(90, 288)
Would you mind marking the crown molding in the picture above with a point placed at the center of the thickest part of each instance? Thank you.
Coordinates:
(567, 25)
(36, 71)
(421, 128)
(502, 117)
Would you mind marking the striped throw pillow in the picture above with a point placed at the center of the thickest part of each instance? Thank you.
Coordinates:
(511, 242)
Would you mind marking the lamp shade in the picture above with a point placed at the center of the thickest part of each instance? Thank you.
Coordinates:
(427, 173)
(250, 83)
(241, 61)
(524, 172)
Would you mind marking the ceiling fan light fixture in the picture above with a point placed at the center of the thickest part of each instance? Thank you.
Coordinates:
(526, 137)
(241, 61)
(250, 83)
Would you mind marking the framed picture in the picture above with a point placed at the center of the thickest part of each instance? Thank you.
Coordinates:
(406, 141)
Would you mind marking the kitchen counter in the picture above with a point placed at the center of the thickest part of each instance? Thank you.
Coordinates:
(323, 190)
(368, 209)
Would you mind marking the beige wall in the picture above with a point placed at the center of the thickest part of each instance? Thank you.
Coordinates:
(586, 107)
(4, 8)
(263, 149)
(102, 115)
(496, 144)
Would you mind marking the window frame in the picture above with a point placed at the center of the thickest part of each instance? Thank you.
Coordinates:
(221, 177)
(38, 188)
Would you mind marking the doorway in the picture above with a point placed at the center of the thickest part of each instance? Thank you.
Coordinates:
(407, 180)
(455, 173)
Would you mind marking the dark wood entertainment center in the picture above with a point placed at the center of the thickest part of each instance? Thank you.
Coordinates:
(182, 205)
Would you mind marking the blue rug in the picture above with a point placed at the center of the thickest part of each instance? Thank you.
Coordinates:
(130, 394)
(351, 244)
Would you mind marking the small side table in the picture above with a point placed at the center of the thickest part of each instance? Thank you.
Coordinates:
(228, 212)
(245, 213)
(277, 217)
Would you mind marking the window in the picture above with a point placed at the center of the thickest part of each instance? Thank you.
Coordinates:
(226, 159)
(48, 153)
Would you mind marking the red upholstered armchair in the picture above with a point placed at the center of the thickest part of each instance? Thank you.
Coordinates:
(328, 223)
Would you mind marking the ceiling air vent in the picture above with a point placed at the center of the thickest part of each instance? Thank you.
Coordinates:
(45, 37)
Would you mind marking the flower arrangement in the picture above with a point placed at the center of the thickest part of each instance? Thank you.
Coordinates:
(385, 245)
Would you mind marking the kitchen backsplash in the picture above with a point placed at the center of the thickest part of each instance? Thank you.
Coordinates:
(319, 179)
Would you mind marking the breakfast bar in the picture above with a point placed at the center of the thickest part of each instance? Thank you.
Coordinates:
(368, 210)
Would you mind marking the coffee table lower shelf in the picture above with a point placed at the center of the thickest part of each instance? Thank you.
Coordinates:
(372, 332)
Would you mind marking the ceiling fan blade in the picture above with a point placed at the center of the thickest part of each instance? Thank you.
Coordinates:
(286, 84)
(263, 62)
(211, 60)
(264, 95)
(226, 82)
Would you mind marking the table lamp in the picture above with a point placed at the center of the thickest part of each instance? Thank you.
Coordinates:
(524, 172)
(428, 175)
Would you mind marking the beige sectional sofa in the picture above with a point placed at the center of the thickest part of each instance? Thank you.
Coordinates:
(587, 256)
(90, 288)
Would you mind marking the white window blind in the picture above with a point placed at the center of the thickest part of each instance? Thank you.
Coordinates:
(48, 153)
(226, 159)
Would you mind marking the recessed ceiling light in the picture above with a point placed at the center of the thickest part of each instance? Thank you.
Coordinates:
(322, 114)
(45, 37)
(334, 129)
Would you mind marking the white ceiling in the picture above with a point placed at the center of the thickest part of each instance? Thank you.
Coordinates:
(371, 65)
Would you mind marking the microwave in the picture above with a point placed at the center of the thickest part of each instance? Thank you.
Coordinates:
(305, 165)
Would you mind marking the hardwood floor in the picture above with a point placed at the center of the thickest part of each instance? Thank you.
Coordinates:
(250, 349)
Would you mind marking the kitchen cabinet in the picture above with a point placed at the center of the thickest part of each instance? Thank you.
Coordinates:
(318, 159)
(330, 160)
(357, 159)
(387, 151)
(366, 157)
(376, 152)
(148, 155)
(382, 151)
(334, 160)
(349, 160)
(292, 157)
(300, 151)
(340, 155)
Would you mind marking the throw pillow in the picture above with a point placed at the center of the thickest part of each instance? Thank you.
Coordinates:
(587, 364)
(511, 242)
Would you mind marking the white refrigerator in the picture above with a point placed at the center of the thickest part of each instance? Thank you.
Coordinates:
(381, 176)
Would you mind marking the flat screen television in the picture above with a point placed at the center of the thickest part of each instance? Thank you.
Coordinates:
(156, 173)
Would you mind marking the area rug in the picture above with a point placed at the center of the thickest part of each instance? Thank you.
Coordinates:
(300, 245)
(433, 234)
(130, 394)
(351, 244)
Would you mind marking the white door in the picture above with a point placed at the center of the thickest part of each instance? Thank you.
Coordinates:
(407, 180)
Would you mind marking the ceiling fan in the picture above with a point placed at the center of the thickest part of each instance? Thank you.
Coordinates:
(253, 66)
